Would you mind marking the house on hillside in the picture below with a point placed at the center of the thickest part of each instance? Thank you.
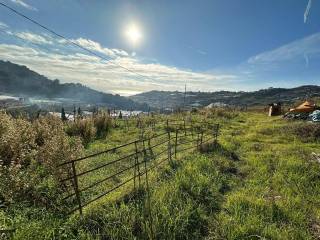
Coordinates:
(216, 104)
(8, 101)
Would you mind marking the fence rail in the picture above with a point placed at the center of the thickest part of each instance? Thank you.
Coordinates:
(134, 161)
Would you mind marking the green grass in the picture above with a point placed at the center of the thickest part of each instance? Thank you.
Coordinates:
(259, 182)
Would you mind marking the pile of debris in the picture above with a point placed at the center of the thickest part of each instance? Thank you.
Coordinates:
(305, 111)
(315, 116)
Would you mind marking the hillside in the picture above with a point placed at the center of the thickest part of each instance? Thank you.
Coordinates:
(165, 99)
(18, 80)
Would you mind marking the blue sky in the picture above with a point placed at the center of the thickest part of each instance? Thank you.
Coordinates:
(209, 44)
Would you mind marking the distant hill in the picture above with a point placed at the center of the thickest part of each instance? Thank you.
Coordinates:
(18, 80)
(165, 99)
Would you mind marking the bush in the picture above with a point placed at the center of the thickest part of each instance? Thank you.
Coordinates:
(90, 128)
(221, 113)
(83, 128)
(103, 124)
(29, 154)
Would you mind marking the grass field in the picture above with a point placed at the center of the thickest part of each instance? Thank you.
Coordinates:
(259, 182)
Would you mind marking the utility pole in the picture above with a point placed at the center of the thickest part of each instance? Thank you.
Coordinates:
(184, 97)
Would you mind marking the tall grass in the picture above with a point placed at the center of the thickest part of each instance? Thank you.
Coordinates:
(89, 129)
(83, 128)
(259, 182)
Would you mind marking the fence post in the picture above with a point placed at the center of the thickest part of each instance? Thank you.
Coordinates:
(76, 187)
(176, 144)
(137, 167)
(169, 147)
(145, 157)
(201, 138)
(198, 140)
(184, 126)
(191, 125)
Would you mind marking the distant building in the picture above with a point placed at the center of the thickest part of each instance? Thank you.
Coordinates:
(196, 104)
(7, 102)
(216, 104)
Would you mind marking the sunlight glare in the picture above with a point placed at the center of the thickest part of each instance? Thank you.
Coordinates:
(133, 34)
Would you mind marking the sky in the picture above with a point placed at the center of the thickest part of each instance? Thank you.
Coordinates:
(209, 45)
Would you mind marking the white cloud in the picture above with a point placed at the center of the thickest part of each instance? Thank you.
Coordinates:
(3, 25)
(292, 64)
(295, 50)
(306, 13)
(95, 46)
(90, 71)
(34, 38)
(25, 5)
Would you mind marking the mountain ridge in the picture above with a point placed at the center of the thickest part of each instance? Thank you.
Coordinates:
(21, 81)
(174, 99)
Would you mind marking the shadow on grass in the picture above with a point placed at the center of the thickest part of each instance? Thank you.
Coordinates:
(216, 147)
(137, 195)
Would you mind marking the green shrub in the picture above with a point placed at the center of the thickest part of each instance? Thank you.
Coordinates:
(221, 113)
(83, 128)
(103, 124)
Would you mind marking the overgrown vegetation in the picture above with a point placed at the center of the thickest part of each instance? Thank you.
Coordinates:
(306, 132)
(259, 181)
(29, 153)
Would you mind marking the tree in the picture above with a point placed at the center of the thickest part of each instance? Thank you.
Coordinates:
(63, 115)
(74, 113)
(120, 115)
(79, 112)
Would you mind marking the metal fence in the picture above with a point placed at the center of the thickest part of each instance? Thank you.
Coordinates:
(94, 176)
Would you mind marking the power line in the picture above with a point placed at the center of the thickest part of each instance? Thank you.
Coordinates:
(70, 41)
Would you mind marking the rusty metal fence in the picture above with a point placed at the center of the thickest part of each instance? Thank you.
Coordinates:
(96, 175)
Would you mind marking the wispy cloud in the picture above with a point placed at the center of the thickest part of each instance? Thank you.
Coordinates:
(3, 25)
(95, 46)
(290, 52)
(201, 52)
(24, 4)
(292, 64)
(34, 38)
(306, 13)
(71, 64)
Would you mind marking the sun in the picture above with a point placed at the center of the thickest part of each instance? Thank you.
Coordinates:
(133, 34)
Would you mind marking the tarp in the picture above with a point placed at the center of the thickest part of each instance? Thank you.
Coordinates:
(306, 107)
(315, 116)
